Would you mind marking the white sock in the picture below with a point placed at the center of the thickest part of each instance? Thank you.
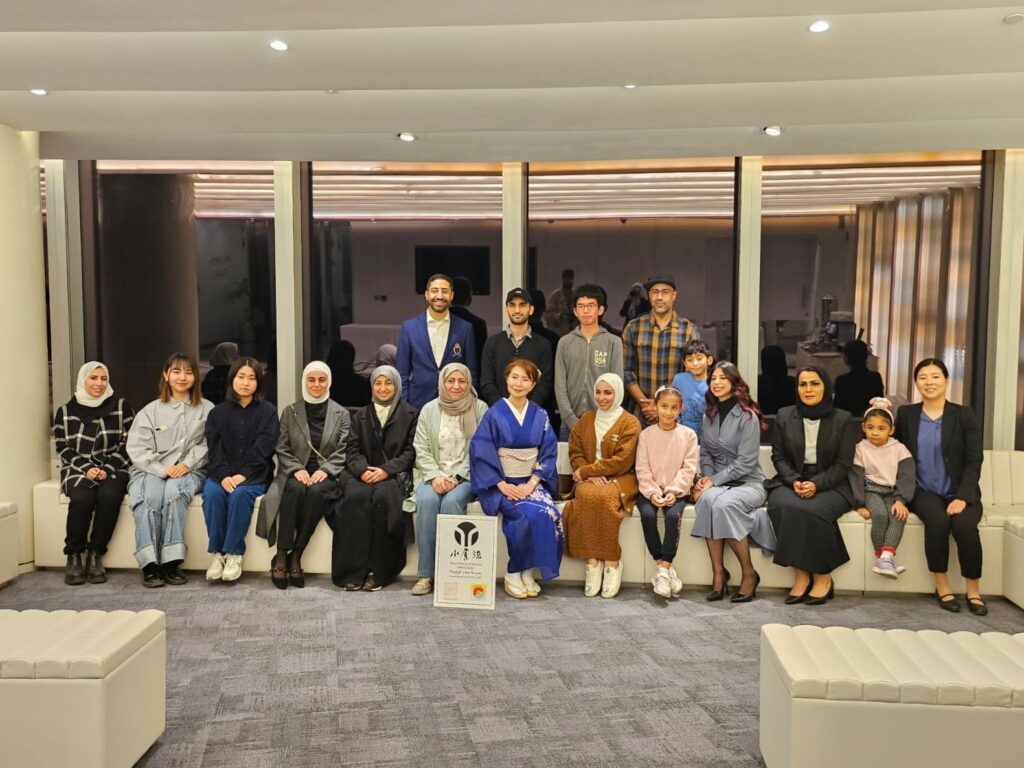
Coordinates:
(886, 554)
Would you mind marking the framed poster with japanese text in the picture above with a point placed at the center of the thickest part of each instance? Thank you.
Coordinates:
(464, 565)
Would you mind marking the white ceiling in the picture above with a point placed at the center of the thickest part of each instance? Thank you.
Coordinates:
(487, 81)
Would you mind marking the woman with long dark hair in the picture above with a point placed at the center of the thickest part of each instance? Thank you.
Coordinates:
(812, 450)
(945, 440)
(730, 493)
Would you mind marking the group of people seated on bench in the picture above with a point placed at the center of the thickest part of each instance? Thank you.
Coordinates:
(365, 471)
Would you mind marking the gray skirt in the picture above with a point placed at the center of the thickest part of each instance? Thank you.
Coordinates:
(738, 512)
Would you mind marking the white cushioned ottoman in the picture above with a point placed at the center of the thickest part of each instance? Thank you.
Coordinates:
(1013, 560)
(8, 542)
(848, 698)
(83, 689)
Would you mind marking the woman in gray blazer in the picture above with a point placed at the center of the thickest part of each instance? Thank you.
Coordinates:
(730, 493)
(311, 474)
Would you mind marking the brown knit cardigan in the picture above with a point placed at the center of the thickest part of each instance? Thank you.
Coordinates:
(618, 449)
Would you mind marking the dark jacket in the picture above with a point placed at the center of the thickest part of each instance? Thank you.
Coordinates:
(499, 350)
(961, 445)
(390, 448)
(479, 327)
(242, 441)
(837, 438)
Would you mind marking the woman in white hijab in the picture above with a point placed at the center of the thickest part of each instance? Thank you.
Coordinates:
(311, 474)
(441, 475)
(90, 431)
(602, 451)
(371, 530)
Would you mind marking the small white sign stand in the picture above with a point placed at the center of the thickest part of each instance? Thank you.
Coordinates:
(464, 561)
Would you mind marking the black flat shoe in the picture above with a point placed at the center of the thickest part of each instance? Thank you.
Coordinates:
(976, 605)
(279, 574)
(296, 576)
(824, 598)
(792, 599)
(739, 597)
(94, 572)
(952, 605)
(718, 594)
(152, 576)
(74, 574)
(173, 574)
(371, 585)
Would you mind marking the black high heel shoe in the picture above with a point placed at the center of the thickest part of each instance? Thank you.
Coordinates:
(279, 573)
(792, 599)
(739, 597)
(824, 599)
(296, 576)
(717, 594)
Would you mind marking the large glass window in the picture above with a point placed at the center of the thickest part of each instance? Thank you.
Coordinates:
(379, 230)
(181, 259)
(616, 224)
(877, 248)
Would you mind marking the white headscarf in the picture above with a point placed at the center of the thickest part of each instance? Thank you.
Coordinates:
(605, 419)
(81, 395)
(317, 367)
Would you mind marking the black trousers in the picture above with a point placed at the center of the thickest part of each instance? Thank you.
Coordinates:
(938, 525)
(370, 533)
(301, 509)
(96, 506)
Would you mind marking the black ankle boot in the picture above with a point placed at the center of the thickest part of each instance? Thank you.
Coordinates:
(73, 571)
(94, 572)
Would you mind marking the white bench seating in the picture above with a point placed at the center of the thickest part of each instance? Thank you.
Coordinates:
(81, 689)
(8, 542)
(848, 698)
(998, 491)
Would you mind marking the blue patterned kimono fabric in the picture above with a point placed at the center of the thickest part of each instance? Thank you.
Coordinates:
(533, 526)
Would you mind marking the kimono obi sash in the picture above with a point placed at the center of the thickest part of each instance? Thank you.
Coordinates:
(518, 462)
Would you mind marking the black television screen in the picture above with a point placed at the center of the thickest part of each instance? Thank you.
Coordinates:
(472, 261)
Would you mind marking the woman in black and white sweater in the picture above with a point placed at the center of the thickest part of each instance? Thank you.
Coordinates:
(90, 431)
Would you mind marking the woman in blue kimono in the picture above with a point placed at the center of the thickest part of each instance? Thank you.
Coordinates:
(513, 454)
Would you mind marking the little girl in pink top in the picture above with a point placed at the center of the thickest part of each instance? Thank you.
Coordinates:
(667, 459)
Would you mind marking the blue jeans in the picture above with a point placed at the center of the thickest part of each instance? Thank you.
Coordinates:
(228, 515)
(430, 504)
(159, 505)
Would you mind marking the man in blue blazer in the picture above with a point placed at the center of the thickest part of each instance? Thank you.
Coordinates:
(430, 341)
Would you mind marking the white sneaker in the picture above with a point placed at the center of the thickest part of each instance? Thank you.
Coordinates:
(514, 586)
(532, 587)
(675, 582)
(612, 581)
(592, 584)
(216, 569)
(232, 567)
(662, 583)
(885, 567)
(899, 568)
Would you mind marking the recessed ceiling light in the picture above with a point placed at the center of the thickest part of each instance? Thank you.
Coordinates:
(629, 86)
(279, 45)
(1013, 18)
(406, 136)
(820, 26)
(331, 91)
(38, 91)
(772, 130)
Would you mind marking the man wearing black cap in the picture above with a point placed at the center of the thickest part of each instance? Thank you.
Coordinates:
(652, 345)
(518, 342)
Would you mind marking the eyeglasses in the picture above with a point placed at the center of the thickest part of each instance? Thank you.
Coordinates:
(589, 307)
(661, 291)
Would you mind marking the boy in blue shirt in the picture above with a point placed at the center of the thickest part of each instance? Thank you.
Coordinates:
(693, 383)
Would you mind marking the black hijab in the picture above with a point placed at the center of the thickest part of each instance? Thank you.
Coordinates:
(815, 412)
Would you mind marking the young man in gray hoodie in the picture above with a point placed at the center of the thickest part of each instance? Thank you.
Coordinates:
(584, 354)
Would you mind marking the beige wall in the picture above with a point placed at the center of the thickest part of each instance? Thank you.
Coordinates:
(24, 388)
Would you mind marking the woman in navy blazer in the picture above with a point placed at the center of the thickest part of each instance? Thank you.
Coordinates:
(945, 441)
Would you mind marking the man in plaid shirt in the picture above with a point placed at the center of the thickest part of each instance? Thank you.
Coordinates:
(652, 345)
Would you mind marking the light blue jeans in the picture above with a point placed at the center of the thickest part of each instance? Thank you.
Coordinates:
(159, 505)
(430, 504)
(228, 515)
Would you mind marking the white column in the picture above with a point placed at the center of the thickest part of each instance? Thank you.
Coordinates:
(514, 222)
(25, 426)
(748, 268)
(64, 263)
(288, 279)
(1007, 268)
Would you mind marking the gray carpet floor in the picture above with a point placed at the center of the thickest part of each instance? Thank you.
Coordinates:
(318, 677)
